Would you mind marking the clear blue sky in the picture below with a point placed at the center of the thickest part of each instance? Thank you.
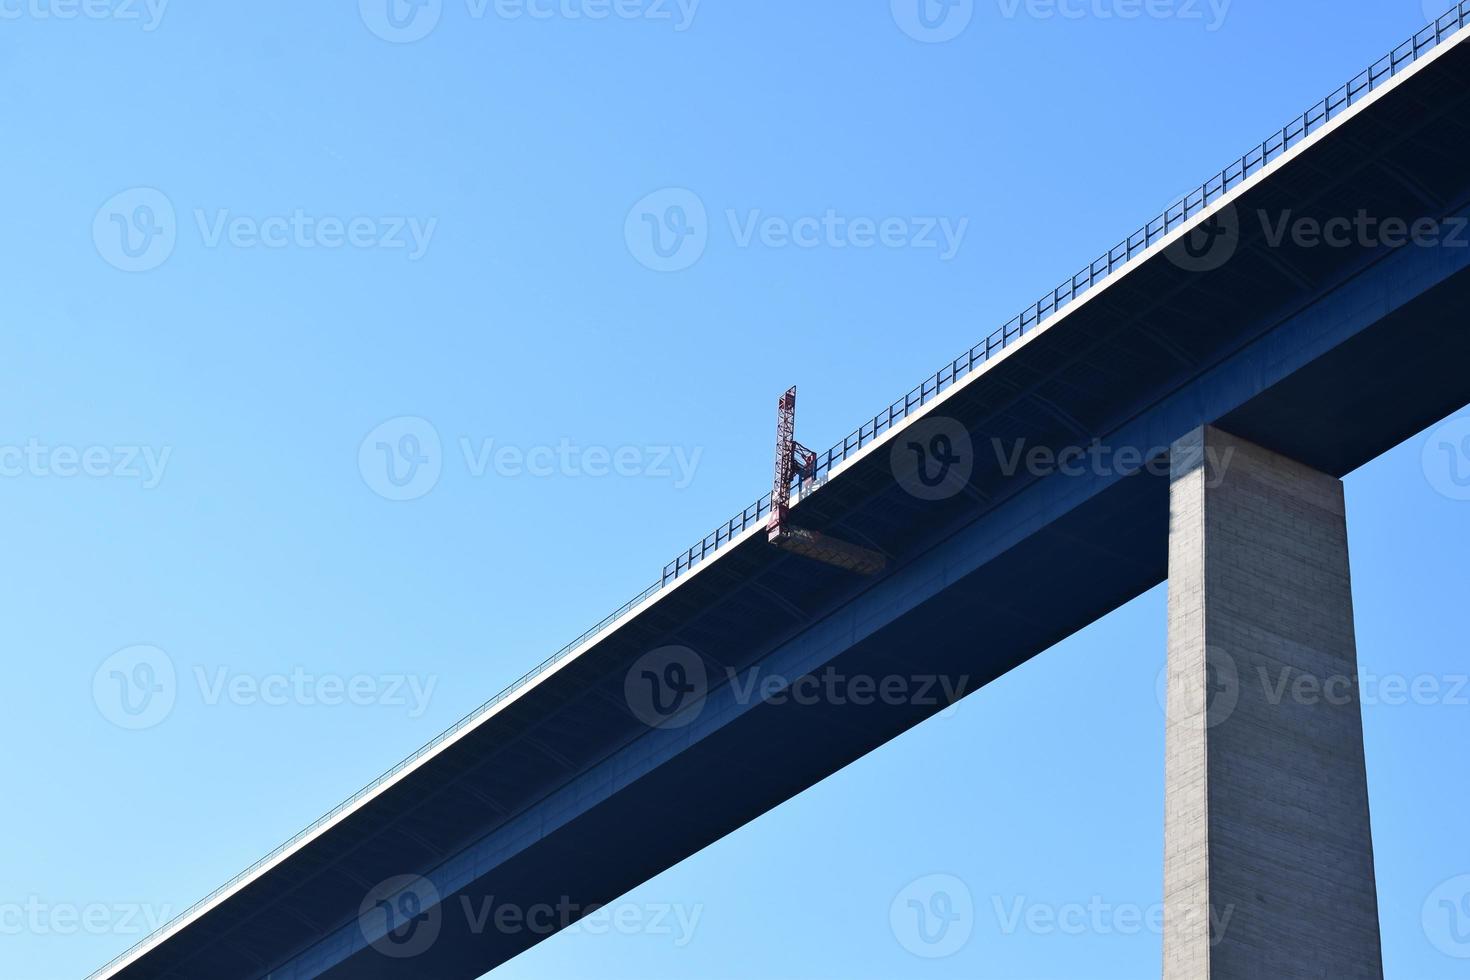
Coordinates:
(182, 465)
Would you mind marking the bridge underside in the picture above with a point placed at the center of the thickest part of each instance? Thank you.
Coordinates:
(565, 798)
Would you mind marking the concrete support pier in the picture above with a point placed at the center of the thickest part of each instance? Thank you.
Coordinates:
(1268, 855)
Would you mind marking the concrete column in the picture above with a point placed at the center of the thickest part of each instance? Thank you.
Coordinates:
(1268, 855)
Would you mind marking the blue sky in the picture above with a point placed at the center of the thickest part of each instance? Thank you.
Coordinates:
(245, 244)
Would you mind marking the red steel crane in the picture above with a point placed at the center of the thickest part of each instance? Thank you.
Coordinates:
(792, 460)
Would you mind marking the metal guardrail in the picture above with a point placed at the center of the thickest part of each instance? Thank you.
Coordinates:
(1298, 129)
(372, 787)
(1120, 255)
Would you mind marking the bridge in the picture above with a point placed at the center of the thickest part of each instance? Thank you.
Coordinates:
(1296, 316)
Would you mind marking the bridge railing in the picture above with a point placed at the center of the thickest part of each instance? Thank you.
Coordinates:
(1258, 157)
(1237, 172)
(376, 784)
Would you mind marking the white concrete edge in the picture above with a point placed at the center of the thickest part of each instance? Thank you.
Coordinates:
(172, 929)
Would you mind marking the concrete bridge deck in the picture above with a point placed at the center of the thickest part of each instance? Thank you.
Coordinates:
(563, 794)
